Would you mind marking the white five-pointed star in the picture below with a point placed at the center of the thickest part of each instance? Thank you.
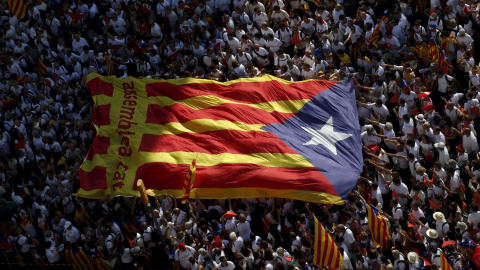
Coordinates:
(326, 136)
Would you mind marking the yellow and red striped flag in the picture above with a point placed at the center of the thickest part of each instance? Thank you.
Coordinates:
(111, 69)
(376, 32)
(379, 227)
(41, 68)
(189, 180)
(326, 253)
(444, 264)
(82, 216)
(24, 222)
(258, 137)
(17, 8)
(267, 222)
(79, 259)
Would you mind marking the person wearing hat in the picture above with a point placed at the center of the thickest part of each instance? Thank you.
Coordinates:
(465, 38)
(435, 22)
(443, 155)
(71, 233)
(415, 261)
(441, 224)
(182, 256)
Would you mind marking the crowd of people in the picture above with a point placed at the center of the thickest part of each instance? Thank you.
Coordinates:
(419, 121)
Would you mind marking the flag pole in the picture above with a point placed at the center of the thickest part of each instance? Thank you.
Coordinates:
(148, 207)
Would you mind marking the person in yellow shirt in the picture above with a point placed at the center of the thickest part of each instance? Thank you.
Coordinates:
(344, 57)
(424, 53)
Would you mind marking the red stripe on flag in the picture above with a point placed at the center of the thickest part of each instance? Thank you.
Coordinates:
(100, 87)
(326, 252)
(180, 113)
(101, 115)
(247, 92)
(234, 175)
(96, 179)
(99, 146)
(216, 142)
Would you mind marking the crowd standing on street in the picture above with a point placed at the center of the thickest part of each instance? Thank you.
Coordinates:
(418, 112)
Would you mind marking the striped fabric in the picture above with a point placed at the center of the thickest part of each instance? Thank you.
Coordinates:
(17, 8)
(267, 221)
(24, 222)
(41, 68)
(326, 253)
(79, 259)
(111, 68)
(379, 227)
(189, 180)
(152, 130)
(376, 32)
(444, 264)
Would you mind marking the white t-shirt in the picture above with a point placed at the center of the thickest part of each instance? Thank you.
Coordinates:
(443, 82)
(401, 189)
(244, 230)
(182, 256)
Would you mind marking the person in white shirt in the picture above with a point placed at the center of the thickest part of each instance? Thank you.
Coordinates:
(442, 226)
(474, 217)
(183, 255)
(155, 31)
(53, 254)
(369, 137)
(401, 190)
(443, 156)
(70, 234)
(470, 142)
(260, 55)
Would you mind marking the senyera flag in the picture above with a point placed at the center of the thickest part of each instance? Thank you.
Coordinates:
(253, 138)
(189, 181)
(326, 253)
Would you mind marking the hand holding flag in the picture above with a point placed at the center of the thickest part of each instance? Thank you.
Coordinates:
(189, 179)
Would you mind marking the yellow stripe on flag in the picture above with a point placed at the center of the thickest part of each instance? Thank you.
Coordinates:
(444, 263)
(207, 101)
(262, 159)
(201, 125)
(17, 8)
(326, 253)
(189, 180)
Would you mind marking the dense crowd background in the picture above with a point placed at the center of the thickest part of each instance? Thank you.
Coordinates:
(419, 125)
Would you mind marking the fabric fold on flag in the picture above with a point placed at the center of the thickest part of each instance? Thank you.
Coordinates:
(326, 253)
(256, 137)
(189, 180)
(17, 8)
(379, 227)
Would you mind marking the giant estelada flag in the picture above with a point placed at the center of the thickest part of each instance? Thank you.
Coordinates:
(253, 138)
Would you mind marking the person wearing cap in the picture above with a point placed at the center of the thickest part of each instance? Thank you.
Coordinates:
(435, 22)
(71, 233)
(464, 38)
(182, 256)
(443, 155)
